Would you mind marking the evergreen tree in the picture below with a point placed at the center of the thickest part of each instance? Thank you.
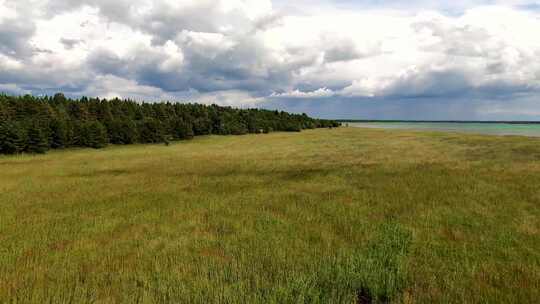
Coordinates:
(94, 135)
(202, 126)
(76, 134)
(237, 128)
(292, 127)
(59, 98)
(150, 131)
(33, 124)
(182, 129)
(12, 138)
(36, 140)
(122, 132)
(58, 135)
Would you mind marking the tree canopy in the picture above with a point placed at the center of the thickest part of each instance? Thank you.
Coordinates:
(36, 124)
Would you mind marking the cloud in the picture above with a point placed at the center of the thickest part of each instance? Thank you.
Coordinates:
(15, 35)
(70, 43)
(342, 52)
(246, 52)
(319, 93)
(11, 88)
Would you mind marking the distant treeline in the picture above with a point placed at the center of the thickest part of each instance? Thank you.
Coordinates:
(36, 124)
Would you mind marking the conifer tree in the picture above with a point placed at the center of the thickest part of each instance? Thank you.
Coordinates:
(182, 129)
(150, 131)
(94, 135)
(36, 140)
(33, 124)
(12, 138)
(122, 132)
(58, 135)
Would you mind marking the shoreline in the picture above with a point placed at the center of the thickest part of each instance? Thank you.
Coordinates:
(468, 128)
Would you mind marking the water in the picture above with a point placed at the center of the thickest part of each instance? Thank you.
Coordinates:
(477, 128)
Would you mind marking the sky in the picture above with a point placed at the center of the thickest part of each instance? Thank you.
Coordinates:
(374, 59)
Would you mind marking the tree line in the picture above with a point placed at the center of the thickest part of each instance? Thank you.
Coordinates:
(30, 124)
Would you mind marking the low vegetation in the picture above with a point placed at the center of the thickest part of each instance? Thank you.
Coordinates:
(324, 216)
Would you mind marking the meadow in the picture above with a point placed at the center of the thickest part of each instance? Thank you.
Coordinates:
(344, 215)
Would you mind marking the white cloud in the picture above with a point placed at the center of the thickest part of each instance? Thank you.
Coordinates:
(7, 11)
(234, 98)
(322, 92)
(239, 52)
(110, 86)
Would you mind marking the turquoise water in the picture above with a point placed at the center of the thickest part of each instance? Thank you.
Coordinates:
(478, 128)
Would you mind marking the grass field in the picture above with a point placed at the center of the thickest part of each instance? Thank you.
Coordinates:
(331, 216)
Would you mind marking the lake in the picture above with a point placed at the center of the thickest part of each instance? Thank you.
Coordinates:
(478, 128)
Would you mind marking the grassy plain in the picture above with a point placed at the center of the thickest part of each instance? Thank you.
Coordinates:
(333, 216)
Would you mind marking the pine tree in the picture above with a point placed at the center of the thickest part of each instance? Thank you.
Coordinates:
(59, 98)
(182, 129)
(58, 137)
(27, 123)
(12, 138)
(94, 135)
(122, 132)
(36, 140)
(150, 131)
(76, 134)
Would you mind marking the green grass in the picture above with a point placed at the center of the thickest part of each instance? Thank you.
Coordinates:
(324, 216)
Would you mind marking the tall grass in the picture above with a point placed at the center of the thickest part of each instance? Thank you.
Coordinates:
(324, 216)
